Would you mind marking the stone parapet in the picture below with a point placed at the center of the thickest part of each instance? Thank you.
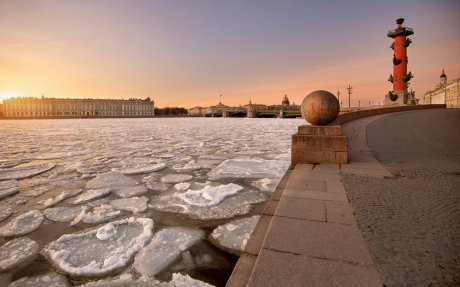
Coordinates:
(319, 144)
(346, 117)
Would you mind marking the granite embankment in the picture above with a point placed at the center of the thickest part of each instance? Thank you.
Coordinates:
(366, 223)
(412, 221)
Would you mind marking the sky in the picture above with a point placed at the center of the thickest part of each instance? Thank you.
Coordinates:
(189, 52)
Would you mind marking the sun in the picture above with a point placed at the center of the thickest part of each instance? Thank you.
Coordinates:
(7, 95)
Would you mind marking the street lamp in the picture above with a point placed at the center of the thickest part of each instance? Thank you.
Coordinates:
(349, 88)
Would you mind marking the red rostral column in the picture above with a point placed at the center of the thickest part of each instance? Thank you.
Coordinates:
(400, 77)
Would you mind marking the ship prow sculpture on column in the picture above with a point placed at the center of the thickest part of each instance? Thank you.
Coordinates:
(319, 143)
(400, 77)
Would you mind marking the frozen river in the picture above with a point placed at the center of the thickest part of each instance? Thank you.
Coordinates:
(126, 200)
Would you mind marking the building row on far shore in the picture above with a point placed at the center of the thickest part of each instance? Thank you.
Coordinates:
(284, 110)
(446, 92)
(75, 108)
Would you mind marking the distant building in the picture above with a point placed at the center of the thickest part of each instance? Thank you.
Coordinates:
(197, 112)
(76, 108)
(1, 110)
(446, 92)
(285, 110)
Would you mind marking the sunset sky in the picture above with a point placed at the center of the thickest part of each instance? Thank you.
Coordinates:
(188, 52)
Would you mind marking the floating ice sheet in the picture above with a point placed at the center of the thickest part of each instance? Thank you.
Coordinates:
(62, 214)
(125, 280)
(234, 236)
(209, 195)
(91, 194)
(142, 168)
(20, 172)
(5, 212)
(16, 252)
(120, 184)
(23, 224)
(49, 279)
(62, 196)
(238, 204)
(262, 184)
(249, 168)
(176, 178)
(84, 254)
(59, 155)
(133, 204)
(182, 186)
(189, 166)
(36, 191)
(8, 188)
(100, 214)
(165, 247)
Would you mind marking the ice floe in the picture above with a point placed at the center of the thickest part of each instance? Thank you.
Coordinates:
(100, 214)
(182, 186)
(142, 168)
(91, 194)
(36, 191)
(209, 195)
(238, 204)
(125, 280)
(133, 204)
(62, 196)
(157, 186)
(120, 184)
(189, 166)
(62, 214)
(59, 155)
(23, 224)
(49, 279)
(249, 168)
(18, 251)
(262, 184)
(5, 212)
(8, 187)
(165, 247)
(176, 178)
(233, 236)
(85, 254)
(20, 172)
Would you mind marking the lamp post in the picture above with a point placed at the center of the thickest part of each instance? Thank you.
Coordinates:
(338, 96)
(349, 88)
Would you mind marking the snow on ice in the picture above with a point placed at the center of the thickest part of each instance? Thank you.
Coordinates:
(100, 251)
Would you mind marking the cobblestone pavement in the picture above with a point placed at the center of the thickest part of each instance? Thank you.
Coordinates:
(412, 221)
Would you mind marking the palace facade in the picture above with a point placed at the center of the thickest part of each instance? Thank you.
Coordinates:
(286, 109)
(446, 92)
(76, 108)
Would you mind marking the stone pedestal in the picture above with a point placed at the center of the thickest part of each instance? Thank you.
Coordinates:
(319, 144)
(401, 100)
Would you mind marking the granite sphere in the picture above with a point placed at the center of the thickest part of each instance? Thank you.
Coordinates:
(320, 108)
